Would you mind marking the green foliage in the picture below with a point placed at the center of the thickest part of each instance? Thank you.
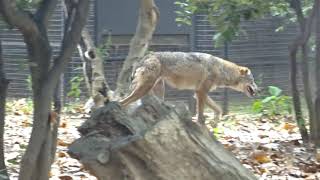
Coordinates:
(226, 15)
(273, 103)
(28, 4)
(29, 105)
(20, 106)
(29, 83)
(187, 9)
(72, 107)
(75, 90)
(103, 48)
(217, 132)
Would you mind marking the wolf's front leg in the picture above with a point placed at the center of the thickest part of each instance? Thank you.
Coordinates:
(201, 97)
(215, 107)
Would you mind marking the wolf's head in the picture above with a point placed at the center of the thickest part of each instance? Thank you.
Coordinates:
(246, 82)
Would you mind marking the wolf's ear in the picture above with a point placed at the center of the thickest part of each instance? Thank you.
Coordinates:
(244, 71)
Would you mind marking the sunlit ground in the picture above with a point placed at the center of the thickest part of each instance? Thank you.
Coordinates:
(268, 146)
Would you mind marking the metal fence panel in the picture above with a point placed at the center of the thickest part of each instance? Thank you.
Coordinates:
(262, 49)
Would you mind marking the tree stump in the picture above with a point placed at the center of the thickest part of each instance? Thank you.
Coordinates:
(155, 142)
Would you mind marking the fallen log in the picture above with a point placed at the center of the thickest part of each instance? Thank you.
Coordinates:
(157, 141)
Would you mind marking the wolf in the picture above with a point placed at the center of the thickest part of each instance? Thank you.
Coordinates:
(195, 71)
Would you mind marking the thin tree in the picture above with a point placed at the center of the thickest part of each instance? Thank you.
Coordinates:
(3, 94)
(301, 40)
(317, 99)
(93, 67)
(305, 24)
(147, 21)
(45, 74)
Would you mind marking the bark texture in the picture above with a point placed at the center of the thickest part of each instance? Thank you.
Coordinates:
(305, 25)
(36, 162)
(307, 88)
(93, 67)
(148, 18)
(317, 100)
(3, 94)
(156, 141)
(301, 41)
(96, 79)
(296, 95)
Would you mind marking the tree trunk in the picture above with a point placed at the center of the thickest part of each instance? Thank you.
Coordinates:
(93, 67)
(307, 88)
(157, 141)
(3, 95)
(317, 100)
(148, 17)
(302, 40)
(305, 25)
(45, 73)
(56, 114)
(98, 84)
(86, 65)
(36, 161)
(295, 93)
(225, 107)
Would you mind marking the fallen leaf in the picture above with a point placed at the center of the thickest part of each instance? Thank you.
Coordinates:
(79, 110)
(62, 143)
(63, 125)
(288, 126)
(310, 169)
(260, 156)
(17, 113)
(62, 154)
(26, 123)
(65, 177)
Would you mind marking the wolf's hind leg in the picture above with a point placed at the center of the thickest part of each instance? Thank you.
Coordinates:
(139, 91)
(215, 107)
(143, 82)
(159, 89)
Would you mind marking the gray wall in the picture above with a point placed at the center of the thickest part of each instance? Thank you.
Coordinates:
(15, 54)
(120, 17)
(262, 49)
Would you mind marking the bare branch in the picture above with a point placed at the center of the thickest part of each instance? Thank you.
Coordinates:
(45, 11)
(17, 18)
(147, 20)
(296, 6)
(305, 24)
(71, 38)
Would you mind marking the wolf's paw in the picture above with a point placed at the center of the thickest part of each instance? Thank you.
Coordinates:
(217, 117)
(198, 120)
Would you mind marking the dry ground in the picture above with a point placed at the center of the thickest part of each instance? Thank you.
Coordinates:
(270, 147)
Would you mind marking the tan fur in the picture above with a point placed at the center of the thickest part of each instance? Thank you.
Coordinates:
(195, 71)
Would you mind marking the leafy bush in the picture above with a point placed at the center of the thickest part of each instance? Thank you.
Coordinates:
(75, 90)
(104, 48)
(274, 103)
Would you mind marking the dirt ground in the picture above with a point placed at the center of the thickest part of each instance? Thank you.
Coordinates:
(270, 147)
